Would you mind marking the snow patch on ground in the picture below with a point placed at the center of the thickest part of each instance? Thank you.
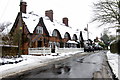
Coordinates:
(113, 61)
(30, 62)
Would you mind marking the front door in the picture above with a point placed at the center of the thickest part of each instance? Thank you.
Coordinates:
(39, 43)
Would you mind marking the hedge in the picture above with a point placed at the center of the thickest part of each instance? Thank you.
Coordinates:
(115, 47)
(9, 50)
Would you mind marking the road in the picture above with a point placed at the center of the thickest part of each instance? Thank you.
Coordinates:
(93, 65)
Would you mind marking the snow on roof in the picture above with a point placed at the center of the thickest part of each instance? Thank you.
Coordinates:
(59, 26)
(32, 20)
(72, 42)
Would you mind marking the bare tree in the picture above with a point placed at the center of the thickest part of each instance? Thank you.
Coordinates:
(4, 38)
(107, 12)
(4, 25)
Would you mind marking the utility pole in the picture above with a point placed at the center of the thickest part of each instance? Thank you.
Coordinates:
(87, 32)
(20, 32)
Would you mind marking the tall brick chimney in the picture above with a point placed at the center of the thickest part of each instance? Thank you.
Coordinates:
(23, 6)
(49, 13)
(65, 21)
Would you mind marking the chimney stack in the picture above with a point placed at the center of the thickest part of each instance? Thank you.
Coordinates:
(49, 13)
(23, 6)
(65, 21)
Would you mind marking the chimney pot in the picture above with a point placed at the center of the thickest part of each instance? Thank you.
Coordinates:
(65, 21)
(23, 6)
(49, 13)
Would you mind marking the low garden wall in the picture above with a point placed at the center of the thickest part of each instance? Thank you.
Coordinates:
(7, 50)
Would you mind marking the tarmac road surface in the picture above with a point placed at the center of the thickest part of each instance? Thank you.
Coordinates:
(93, 65)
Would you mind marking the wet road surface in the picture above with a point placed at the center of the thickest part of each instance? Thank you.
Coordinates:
(85, 66)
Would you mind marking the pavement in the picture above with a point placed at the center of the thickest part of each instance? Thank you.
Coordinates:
(105, 73)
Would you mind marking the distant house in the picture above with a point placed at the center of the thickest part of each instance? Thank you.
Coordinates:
(43, 31)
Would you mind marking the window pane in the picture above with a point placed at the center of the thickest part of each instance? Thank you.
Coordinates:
(40, 29)
(55, 33)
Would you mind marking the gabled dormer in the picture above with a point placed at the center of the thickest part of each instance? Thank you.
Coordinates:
(41, 28)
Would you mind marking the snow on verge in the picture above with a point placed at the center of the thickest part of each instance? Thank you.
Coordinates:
(30, 62)
(113, 61)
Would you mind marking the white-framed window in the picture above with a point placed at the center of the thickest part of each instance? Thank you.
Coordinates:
(39, 29)
(54, 33)
(74, 38)
(66, 36)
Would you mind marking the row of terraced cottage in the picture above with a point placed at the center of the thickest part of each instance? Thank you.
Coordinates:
(43, 31)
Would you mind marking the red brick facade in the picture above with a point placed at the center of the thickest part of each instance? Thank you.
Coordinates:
(40, 37)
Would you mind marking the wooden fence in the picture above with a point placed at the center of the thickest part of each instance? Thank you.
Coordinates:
(41, 50)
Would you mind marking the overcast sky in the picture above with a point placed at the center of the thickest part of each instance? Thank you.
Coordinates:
(79, 12)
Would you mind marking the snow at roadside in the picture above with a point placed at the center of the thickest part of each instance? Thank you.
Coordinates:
(113, 61)
(30, 62)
